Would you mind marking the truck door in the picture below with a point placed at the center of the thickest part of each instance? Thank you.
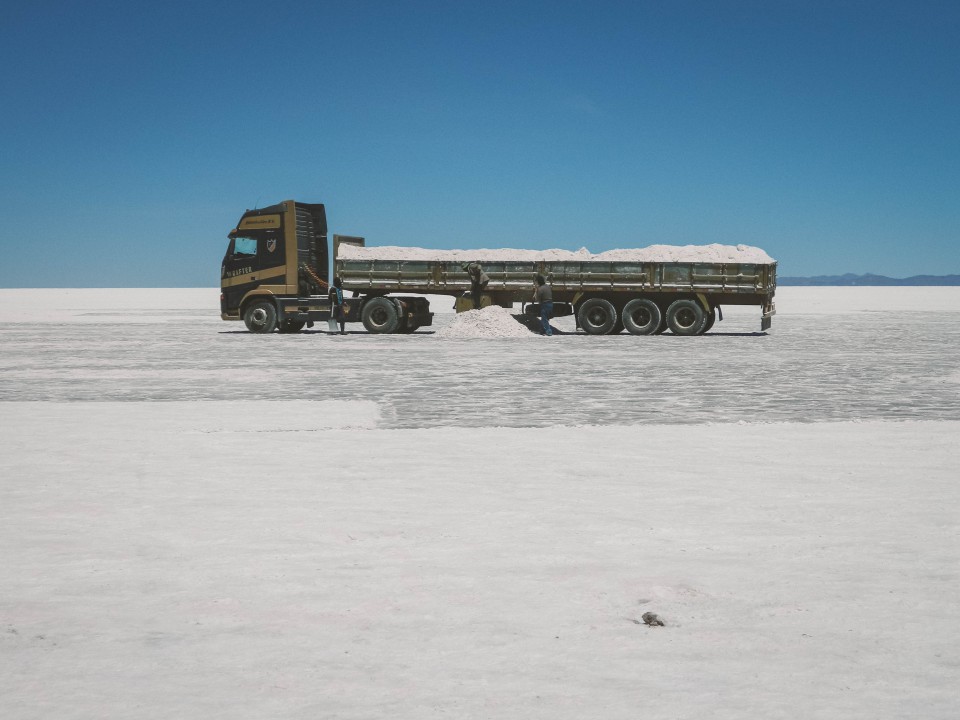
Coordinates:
(254, 258)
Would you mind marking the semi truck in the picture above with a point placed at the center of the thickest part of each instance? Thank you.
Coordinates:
(276, 275)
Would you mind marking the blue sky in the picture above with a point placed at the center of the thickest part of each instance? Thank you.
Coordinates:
(134, 135)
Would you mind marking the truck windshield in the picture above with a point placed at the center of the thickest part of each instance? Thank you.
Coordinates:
(244, 246)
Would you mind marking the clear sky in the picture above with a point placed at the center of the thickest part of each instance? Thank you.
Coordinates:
(133, 135)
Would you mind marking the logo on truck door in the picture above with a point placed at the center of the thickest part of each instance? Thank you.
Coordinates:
(271, 244)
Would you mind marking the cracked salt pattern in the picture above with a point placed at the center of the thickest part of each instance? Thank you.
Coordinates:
(889, 366)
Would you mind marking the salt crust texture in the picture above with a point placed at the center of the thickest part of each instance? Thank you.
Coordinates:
(490, 322)
(654, 253)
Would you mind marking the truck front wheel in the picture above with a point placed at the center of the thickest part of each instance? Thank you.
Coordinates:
(597, 316)
(685, 317)
(261, 317)
(380, 316)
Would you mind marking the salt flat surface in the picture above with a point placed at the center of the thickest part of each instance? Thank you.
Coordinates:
(197, 522)
(714, 253)
(803, 571)
(99, 305)
(870, 359)
(235, 416)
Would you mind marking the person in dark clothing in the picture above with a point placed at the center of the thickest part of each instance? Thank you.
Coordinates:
(478, 282)
(544, 296)
(336, 304)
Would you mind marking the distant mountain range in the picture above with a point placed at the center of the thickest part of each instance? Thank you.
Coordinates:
(856, 280)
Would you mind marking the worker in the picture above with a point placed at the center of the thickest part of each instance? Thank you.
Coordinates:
(337, 313)
(544, 296)
(478, 282)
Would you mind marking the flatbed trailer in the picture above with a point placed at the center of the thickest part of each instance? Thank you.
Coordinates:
(288, 290)
(604, 295)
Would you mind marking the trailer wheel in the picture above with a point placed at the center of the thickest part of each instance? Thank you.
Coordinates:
(291, 326)
(597, 316)
(380, 315)
(401, 315)
(686, 317)
(261, 317)
(641, 316)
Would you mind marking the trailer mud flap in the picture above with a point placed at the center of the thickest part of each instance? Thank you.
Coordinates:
(769, 310)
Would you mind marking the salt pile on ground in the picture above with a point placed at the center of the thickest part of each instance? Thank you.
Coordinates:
(490, 322)
(654, 253)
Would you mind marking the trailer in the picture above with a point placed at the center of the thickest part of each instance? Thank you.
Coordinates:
(275, 276)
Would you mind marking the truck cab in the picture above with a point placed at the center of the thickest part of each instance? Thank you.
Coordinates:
(275, 274)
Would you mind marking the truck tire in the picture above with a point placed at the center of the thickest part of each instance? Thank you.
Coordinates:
(641, 316)
(711, 319)
(260, 317)
(380, 315)
(291, 326)
(686, 317)
(597, 316)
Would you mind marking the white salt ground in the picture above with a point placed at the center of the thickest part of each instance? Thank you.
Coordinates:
(153, 570)
(714, 253)
(490, 322)
(302, 559)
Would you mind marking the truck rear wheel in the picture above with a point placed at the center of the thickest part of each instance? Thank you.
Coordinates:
(261, 317)
(597, 316)
(686, 317)
(380, 315)
(641, 316)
